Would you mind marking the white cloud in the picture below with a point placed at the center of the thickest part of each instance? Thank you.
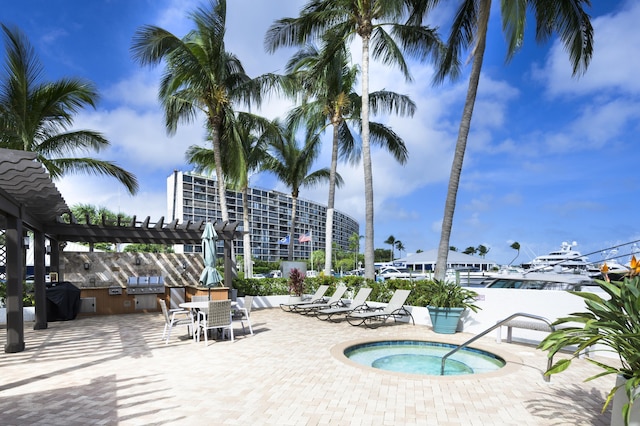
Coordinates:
(614, 65)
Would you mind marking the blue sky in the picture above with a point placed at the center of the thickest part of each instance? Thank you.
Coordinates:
(549, 158)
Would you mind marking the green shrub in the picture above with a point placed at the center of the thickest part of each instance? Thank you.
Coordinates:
(28, 298)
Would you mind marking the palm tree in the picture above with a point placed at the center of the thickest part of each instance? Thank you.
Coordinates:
(567, 18)
(392, 242)
(200, 76)
(470, 250)
(515, 246)
(238, 165)
(482, 250)
(330, 100)
(36, 115)
(400, 247)
(292, 164)
(354, 245)
(342, 20)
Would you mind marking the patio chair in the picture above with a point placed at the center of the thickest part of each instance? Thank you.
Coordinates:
(175, 317)
(318, 297)
(394, 309)
(241, 315)
(311, 308)
(199, 298)
(359, 303)
(218, 317)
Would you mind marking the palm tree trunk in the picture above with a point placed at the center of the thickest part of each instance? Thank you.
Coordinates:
(461, 144)
(366, 164)
(292, 228)
(246, 237)
(217, 156)
(331, 202)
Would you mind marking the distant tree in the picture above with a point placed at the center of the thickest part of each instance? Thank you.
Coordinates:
(470, 250)
(419, 251)
(453, 248)
(91, 214)
(354, 245)
(482, 250)
(400, 247)
(97, 214)
(515, 246)
(381, 255)
(148, 248)
(392, 242)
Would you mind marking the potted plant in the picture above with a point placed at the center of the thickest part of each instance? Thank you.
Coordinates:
(613, 325)
(446, 301)
(296, 285)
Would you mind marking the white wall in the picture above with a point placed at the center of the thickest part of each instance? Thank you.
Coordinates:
(28, 314)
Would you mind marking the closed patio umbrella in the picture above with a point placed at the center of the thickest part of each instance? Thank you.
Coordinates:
(210, 276)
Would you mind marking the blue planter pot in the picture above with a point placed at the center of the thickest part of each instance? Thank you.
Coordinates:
(445, 320)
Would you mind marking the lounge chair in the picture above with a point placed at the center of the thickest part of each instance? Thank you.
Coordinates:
(318, 297)
(395, 308)
(359, 303)
(334, 300)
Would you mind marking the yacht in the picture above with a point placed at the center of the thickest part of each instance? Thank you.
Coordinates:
(567, 259)
(610, 267)
(541, 281)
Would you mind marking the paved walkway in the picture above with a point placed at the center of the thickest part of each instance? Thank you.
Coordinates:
(115, 370)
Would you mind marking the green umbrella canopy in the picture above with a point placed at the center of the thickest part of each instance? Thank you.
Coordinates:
(210, 276)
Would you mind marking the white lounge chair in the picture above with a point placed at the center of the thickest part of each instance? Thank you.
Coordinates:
(395, 309)
(318, 297)
(334, 300)
(359, 303)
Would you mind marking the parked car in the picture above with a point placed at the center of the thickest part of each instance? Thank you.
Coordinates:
(270, 274)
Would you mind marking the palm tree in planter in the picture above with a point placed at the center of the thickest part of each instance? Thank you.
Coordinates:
(614, 326)
(446, 301)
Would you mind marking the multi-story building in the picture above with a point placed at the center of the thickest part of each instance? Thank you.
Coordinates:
(194, 197)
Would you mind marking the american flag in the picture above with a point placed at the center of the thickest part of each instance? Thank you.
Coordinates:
(305, 238)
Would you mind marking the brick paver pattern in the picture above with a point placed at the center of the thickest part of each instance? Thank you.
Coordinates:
(112, 370)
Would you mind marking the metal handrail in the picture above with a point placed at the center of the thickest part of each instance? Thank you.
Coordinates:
(498, 324)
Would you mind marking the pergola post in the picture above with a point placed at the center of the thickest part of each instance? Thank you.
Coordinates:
(39, 281)
(227, 232)
(15, 275)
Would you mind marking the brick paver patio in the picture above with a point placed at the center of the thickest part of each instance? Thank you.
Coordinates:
(116, 370)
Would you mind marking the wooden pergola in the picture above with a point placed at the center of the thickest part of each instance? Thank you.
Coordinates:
(30, 201)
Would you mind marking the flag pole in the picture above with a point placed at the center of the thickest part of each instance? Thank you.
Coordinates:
(311, 252)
